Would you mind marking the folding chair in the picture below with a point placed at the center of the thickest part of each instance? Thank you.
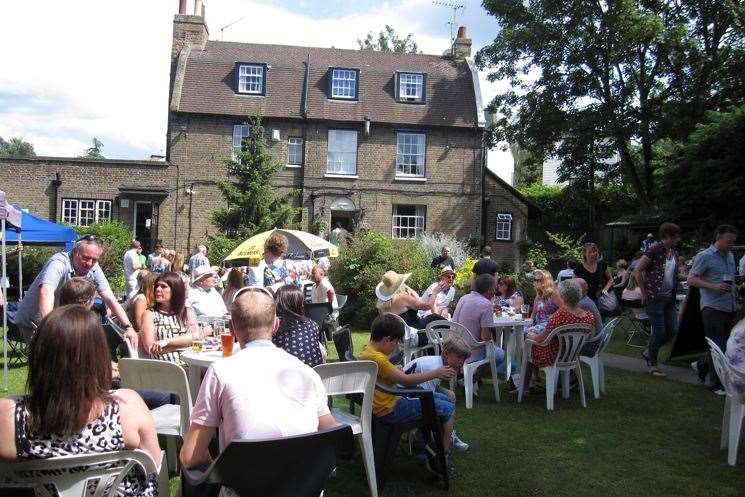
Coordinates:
(640, 325)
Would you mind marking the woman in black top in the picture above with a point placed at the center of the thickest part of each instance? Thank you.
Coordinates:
(297, 334)
(595, 272)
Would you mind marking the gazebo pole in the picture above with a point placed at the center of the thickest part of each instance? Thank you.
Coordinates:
(20, 266)
(5, 308)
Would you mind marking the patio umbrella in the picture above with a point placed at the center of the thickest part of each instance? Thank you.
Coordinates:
(302, 245)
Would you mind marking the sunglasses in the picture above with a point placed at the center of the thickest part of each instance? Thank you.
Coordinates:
(259, 289)
(90, 238)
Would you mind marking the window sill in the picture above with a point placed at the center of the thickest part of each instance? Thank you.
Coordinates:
(250, 95)
(341, 176)
(415, 179)
(340, 99)
(293, 166)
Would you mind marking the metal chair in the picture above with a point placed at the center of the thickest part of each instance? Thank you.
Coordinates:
(355, 377)
(320, 314)
(599, 343)
(71, 475)
(296, 466)
(570, 345)
(342, 339)
(469, 368)
(734, 403)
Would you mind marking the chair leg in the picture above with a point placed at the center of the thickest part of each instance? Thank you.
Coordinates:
(552, 378)
(164, 489)
(468, 383)
(724, 443)
(564, 383)
(737, 411)
(368, 459)
(495, 379)
(581, 384)
(601, 370)
(595, 374)
(171, 454)
(521, 380)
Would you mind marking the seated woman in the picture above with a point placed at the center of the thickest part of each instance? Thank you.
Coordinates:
(736, 350)
(631, 297)
(235, 282)
(570, 313)
(143, 299)
(507, 294)
(69, 409)
(169, 325)
(547, 300)
(203, 298)
(619, 280)
(297, 334)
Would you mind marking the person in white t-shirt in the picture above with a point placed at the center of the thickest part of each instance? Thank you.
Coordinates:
(203, 298)
(131, 268)
(441, 304)
(455, 352)
(323, 290)
(261, 392)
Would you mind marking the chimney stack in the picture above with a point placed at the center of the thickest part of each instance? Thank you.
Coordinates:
(461, 45)
(189, 29)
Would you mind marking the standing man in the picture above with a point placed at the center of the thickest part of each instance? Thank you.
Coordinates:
(43, 294)
(444, 259)
(131, 266)
(198, 259)
(152, 258)
(486, 265)
(713, 273)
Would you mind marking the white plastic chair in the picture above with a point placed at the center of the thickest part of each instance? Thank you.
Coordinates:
(171, 420)
(734, 403)
(342, 378)
(469, 368)
(411, 352)
(570, 344)
(109, 468)
(597, 367)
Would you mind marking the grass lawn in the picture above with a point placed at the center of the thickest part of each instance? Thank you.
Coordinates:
(648, 436)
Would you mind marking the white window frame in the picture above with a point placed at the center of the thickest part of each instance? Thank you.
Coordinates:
(337, 156)
(406, 225)
(293, 142)
(504, 226)
(411, 154)
(251, 79)
(344, 83)
(95, 211)
(410, 87)
(240, 131)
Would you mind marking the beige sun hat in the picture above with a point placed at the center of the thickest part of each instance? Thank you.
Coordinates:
(447, 270)
(390, 284)
(202, 272)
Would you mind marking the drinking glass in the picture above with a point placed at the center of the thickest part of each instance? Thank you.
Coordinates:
(197, 340)
(525, 311)
(226, 339)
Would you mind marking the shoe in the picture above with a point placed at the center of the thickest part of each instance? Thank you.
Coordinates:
(700, 374)
(431, 461)
(449, 464)
(655, 371)
(717, 389)
(457, 443)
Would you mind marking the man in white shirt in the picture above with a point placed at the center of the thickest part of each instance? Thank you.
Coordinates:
(260, 392)
(444, 297)
(198, 259)
(323, 290)
(204, 298)
(131, 267)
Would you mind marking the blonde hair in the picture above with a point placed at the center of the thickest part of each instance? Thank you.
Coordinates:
(587, 247)
(622, 264)
(456, 345)
(548, 288)
(632, 284)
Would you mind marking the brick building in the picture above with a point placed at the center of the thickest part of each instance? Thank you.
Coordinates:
(392, 142)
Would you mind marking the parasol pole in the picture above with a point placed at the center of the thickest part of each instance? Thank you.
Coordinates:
(5, 308)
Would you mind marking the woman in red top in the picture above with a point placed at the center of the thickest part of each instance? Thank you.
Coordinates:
(569, 313)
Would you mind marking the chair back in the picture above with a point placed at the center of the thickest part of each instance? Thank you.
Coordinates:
(118, 346)
(726, 372)
(341, 300)
(603, 338)
(342, 378)
(342, 339)
(571, 340)
(296, 466)
(162, 376)
(438, 331)
(64, 472)
(460, 331)
(318, 312)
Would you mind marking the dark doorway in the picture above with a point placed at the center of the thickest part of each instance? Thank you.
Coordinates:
(344, 218)
(143, 225)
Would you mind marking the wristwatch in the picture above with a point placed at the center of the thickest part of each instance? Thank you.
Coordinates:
(126, 327)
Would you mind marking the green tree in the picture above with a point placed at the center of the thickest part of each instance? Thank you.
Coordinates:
(95, 151)
(16, 147)
(599, 83)
(528, 167)
(253, 205)
(388, 41)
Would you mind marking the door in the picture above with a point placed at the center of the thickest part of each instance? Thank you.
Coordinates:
(345, 219)
(143, 224)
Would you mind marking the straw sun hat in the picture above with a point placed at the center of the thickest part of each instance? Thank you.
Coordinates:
(390, 284)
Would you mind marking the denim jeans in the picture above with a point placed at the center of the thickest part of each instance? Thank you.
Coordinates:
(661, 313)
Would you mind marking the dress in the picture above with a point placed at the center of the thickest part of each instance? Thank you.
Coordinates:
(104, 434)
(543, 356)
(301, 339)
(168, 326)
(544, 309)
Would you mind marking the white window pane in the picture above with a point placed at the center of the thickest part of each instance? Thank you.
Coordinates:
(342, 152)
(410, 86)
(250, 79)
(343, 83)
(87, 212)
(295, 151)
(70, 211)
(504, 227)
(410, 153)
(103, 211)
(408, 221)
(240, 131)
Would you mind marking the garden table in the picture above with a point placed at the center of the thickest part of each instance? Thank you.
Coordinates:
(198, 362)
(513, 328)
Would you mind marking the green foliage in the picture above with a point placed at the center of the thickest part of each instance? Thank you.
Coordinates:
(219, 246)
(388, 41)
(362, 262)
(567, 246)
(538, 255)
(16, 147)
(528, 167)
(464, 276)
(95, 151)
(318, 226)
(253, 204)
(117, 239)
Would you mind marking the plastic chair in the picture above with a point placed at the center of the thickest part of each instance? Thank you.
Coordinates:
(437, 332)
(341, 300)
(171, 420)
(595, 361)
(355, 377)
(734, 403)
(570, 345)
(469, 368)
(320, 314)
(118, 346)
(109, 468)
(411, 351)
(342, 339)
(296, 466)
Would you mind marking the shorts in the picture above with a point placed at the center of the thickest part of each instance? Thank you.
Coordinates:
(409, 410)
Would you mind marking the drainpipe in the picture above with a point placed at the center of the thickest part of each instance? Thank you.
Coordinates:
(483, 190)
(305, 141)
(56, 183)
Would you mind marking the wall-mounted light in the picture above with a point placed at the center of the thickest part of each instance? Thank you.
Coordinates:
(366, 126)
(275, 135)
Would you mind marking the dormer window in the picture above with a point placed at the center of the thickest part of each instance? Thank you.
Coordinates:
(250, 79)
(344, 83)
(411, 87)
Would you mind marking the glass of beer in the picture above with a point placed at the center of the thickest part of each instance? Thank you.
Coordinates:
(525, 311)
(197, 342)
(226, 339)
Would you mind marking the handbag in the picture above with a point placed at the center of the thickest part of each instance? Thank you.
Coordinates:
(608, 303)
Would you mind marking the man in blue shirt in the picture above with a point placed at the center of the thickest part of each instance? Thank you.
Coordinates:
(713, 273)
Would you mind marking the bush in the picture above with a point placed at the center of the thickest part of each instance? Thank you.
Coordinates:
(219, 246)
(362, 262)
(432, 243)
(117, 239)
(34, 259)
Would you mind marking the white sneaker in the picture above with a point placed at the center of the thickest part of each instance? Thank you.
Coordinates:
(457, 443)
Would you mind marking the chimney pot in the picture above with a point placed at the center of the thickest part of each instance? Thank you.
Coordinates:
(462, 32)
(182, 6)
(462, 45)
(197, 7)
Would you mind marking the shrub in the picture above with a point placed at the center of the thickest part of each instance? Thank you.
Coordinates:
(362, 262)
(34, 259)
(432, 244)
(219, 246)
(117, 239)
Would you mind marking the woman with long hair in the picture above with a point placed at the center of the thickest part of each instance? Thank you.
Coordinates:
(144, 299)
(593, 270)
(547, 300)
(236, 278)
(507, 293)
(168, 325)
(69, 408)
(296, 334)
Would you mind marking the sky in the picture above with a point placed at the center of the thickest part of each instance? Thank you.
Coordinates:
(84, 68)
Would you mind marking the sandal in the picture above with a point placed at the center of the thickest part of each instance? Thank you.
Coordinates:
(655, 371)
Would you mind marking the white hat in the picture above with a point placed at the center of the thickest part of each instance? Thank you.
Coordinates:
(201, 272)
(446, 269)
(389, 285)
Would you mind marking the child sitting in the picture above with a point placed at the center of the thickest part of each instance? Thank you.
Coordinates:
(454, 353)
(386, 333)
